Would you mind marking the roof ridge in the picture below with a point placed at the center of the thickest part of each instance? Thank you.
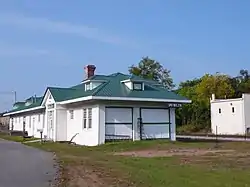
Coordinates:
(115, 74)
(61, 88)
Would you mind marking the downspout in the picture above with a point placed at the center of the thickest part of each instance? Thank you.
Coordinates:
(243, 115)
(169, 114)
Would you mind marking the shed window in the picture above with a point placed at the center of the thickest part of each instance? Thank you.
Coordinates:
(137, 86)
(219, 110)
(88, 86)
(84, 118)
(39, 118)
(232, 109)
(90, 117)
(71, 113)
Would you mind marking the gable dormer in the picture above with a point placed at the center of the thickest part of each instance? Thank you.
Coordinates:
(18, 105)
(133, 84)
(92, 84)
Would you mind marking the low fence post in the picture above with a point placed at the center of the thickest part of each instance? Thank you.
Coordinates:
(216, 137)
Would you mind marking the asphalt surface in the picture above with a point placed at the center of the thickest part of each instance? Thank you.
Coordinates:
(23, 166)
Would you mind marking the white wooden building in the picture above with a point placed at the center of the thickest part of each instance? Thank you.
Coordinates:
(230, 116)
(100, 108)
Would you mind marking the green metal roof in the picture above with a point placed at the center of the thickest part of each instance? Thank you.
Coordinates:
(111, 87)
(36, 103)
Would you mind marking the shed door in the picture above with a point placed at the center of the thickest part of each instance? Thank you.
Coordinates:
(155, 123)
(118, 123)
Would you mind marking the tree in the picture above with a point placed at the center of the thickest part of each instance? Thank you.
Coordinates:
(218, 84)
(152, 70)
(196, 116)
(241, 83)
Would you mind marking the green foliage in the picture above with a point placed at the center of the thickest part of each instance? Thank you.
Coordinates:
(195, 116)
(153, 70)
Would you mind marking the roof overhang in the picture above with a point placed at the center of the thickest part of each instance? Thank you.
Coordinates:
(89, 80)
(22, 111)
(225, 100)
(125, 99)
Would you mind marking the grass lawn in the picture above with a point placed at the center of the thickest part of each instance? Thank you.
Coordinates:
(15, 138)
(154, 164)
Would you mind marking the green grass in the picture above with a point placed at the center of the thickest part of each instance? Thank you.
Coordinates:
(88, 165)
(15, 138)
(194, 171)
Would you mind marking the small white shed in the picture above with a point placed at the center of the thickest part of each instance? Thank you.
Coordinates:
(230, 116)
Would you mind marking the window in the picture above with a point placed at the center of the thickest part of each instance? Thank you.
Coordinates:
(87, 86)
(50, 106)
(219, 110)
(232, 109)
(71, 112)
(39, 118)
(15, 120)
(19, 119)
(90, 117)
(84, 118)
(30, 122)
(137, 86)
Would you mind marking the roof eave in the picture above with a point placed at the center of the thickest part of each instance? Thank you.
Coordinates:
(25, 110)
(125, 99)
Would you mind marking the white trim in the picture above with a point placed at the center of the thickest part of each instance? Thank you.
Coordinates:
(75, 100)
(26, 110)
(142, 99)
(225, 100)
(126, 80)
(87, 81)
(124, 99)
(46, 95)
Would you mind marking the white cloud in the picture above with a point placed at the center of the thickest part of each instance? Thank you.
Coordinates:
(45, 24)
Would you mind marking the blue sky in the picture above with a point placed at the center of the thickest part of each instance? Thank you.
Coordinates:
(48, 43)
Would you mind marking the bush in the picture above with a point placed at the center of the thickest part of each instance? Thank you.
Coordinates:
(188, 129)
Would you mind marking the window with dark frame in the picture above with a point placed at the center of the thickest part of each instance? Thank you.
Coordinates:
(219, 110)
(84, 118)
(71, 112)
(137, 86)
(90, 118)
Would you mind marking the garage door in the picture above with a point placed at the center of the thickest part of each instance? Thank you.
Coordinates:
(118, 123)
(155, 123)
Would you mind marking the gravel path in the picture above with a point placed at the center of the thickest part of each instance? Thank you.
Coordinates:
(23, 166)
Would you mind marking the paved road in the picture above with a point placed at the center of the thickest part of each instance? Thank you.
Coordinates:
(23, 166)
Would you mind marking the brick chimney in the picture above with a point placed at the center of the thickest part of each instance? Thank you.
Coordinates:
(89, 71)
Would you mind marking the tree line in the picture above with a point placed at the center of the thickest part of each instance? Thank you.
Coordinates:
(195, 117)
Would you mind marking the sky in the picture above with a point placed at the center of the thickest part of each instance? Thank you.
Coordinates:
(48, 43)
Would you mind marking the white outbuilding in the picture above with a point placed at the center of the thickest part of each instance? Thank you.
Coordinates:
(230, 116)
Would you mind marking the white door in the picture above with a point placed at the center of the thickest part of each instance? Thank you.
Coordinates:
(118, 123)
(50, 121)
(154, 123)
